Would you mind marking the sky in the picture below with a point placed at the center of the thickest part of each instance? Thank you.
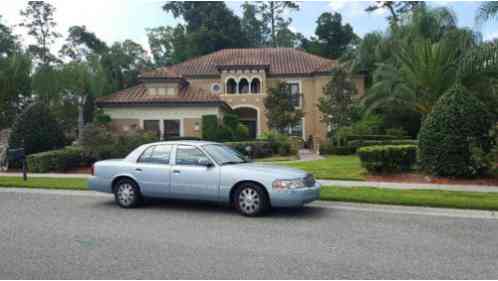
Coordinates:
(117, 20)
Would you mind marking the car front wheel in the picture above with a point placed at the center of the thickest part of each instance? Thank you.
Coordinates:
(251, 200)
(127, 194)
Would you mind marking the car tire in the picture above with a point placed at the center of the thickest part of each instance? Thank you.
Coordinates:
(251, 200)
(127, 194)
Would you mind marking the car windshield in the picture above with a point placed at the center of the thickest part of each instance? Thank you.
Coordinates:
(223, 154)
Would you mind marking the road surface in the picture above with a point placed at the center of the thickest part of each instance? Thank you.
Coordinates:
(82, 235)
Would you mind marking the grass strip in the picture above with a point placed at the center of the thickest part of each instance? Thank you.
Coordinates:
(427, 198)
(45, 183)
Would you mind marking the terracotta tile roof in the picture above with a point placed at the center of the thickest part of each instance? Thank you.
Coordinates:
(278, 61)
(140, 95)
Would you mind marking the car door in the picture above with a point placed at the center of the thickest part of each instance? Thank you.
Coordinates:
(194, 175)
(153, 170)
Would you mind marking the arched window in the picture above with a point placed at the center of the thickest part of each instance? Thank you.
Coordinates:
(255, 86)
(243, 86)
(231, 86)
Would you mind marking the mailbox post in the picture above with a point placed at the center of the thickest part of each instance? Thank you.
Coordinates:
(18, 154)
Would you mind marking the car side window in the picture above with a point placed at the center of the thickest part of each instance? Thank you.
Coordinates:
(158, 154)
(189, 155)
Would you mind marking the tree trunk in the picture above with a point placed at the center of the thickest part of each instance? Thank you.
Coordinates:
(273, 39)
(81, 118)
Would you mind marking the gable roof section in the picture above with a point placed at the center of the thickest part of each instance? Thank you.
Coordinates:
(277, 61)
(139, 96)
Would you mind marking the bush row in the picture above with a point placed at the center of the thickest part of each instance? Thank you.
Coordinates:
(258, 149)
(328, 149)
(55, 160)
(388, 158)
(362, 143)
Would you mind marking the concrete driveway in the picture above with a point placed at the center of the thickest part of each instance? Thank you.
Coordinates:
(71, 235)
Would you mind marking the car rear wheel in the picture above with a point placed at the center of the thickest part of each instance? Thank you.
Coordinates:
(127, 194)
(251, 200)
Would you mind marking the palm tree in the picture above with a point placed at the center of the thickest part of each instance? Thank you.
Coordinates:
(430, 55)
(487, 11)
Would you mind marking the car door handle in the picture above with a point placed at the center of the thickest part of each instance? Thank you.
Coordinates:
(138, 169)
(176, 172)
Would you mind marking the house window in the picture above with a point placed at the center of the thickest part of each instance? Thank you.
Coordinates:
(243, 86)
(152, 126)
(231, 86)
(296, 130)
(255, 86)
(171, 128)
(295, 93)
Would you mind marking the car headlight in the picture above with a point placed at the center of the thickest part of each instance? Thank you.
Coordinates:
(288, 184)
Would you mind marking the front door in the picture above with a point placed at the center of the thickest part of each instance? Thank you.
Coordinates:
(171, 128)
(191, 178)
(152, 170)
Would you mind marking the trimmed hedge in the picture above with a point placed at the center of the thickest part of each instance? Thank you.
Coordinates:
(388, 158)
(210, 127)
(259, 149)
(362, 143)
(328, 149)
(55, 160)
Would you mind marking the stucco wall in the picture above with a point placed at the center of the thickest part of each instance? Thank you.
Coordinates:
(125, 118)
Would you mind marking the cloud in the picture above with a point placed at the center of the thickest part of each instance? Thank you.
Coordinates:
(491, 36)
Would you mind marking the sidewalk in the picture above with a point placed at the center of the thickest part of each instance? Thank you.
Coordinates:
(338, 183)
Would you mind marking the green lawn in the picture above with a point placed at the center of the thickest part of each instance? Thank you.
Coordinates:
(428, 198)
(276, 159)
(46, 183)
(333, 167)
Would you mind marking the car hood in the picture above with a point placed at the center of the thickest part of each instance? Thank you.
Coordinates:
(279, 172)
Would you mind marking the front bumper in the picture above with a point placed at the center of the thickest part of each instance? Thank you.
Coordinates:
(295, 197)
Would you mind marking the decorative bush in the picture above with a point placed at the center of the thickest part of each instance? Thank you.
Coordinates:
(230, 130)
(455, 136)
(280, 143)
(99, 144)
(55, 160)
(355, 144)
(210, 127)
(259, 149)
(331, 149)
(36, 130)
(388, 158)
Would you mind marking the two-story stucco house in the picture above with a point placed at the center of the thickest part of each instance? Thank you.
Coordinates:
(173, 99)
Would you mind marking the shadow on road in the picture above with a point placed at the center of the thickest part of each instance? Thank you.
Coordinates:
(306, 212)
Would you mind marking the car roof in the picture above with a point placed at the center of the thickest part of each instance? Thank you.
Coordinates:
(185, 142)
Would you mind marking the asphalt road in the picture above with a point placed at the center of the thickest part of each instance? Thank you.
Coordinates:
(47, 236)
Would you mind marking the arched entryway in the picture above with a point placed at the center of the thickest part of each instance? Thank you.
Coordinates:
(249, 116)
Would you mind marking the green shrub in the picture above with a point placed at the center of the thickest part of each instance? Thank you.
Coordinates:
(388, 158)
(280, 143)
(55, 160)
(36, 130)
(400, 132)
(210, 127)
(355, 144)
(99, 144)
(331, 149)
(457, 129)
(258, 149)
(369, 124)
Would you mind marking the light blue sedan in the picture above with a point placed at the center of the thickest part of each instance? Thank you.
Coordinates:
(200, 170)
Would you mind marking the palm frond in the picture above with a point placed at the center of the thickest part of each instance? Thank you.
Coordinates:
(487, 11)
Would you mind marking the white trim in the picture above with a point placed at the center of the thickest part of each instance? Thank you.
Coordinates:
(304, 127)
(258, 116)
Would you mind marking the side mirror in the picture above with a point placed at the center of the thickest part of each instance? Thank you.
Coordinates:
(205, 162)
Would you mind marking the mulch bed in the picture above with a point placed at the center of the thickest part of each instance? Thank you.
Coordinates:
(420, 178)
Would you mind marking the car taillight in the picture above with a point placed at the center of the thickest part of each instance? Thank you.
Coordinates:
(92, 170)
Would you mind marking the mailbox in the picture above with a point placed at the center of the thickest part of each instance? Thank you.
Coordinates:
(16, 154)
